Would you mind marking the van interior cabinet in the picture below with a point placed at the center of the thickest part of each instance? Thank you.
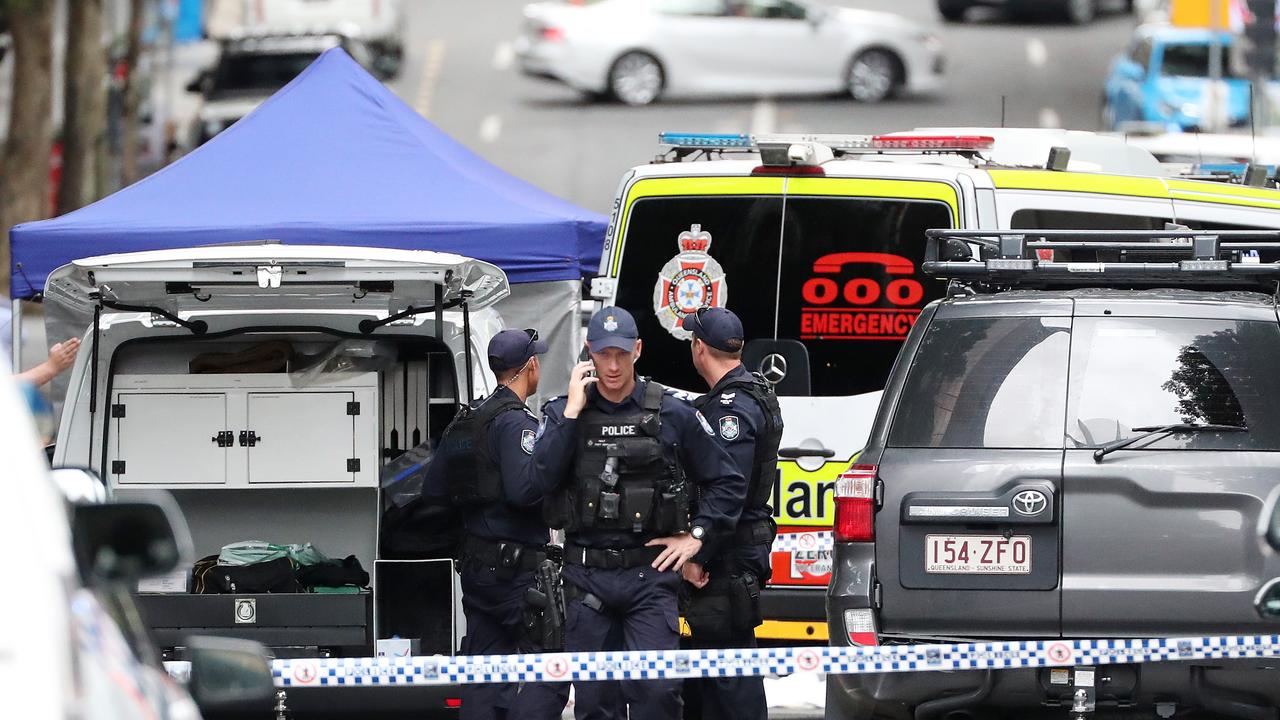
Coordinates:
(245, 429)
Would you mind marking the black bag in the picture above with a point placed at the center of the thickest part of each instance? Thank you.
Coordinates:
(272, 576)
(333, 573)
(420, 531)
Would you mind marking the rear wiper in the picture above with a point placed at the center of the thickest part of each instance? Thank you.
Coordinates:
(1153, 430)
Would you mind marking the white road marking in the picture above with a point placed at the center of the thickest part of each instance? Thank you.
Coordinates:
(1049, 118)
(764, 117)
(490, 128)
(431, 67)
(1037, 53)
(504, 56)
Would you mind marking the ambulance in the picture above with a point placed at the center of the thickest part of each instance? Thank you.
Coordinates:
(816, 241)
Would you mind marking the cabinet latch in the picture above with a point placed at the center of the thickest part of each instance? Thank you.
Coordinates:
(117, 467)
(249, 438)
(353, 465)
(224, 438)
(353, 408)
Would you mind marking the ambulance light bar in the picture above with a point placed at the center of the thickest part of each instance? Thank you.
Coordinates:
(839, 143)
(1244, 173)
(1091, 258)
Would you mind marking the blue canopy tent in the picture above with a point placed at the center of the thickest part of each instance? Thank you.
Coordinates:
(335, 158)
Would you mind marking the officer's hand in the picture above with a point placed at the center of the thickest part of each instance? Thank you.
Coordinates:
(679, 549)
(695, 574)
(578, 384)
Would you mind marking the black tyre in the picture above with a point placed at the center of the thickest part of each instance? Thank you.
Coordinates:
(874, 75)
(952, 10)
(636, 78)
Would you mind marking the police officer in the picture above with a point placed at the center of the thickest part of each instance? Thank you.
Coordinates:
(726, 577)
(621, 457)
(484, 467)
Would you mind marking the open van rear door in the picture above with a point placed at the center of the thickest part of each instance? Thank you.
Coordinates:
(272, 275)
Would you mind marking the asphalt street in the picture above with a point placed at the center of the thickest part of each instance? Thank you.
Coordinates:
(460, 72)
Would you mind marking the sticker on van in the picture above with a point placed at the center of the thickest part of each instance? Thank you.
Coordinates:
(689, 282)
(863, 308)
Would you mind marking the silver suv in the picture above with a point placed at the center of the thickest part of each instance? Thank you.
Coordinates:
(1078, 442)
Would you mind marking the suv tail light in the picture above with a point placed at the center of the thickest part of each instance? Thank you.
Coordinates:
(856, 504)
(861, 626)
(551, 34)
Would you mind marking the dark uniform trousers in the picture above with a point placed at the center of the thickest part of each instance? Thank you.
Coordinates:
(494, 608)
(740, 698)
(640, 608)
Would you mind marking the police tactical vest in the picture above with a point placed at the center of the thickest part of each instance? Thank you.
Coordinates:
(624, 477)
(473, 476)
(764, 463)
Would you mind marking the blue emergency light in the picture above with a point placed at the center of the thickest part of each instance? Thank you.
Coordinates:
(706, 140)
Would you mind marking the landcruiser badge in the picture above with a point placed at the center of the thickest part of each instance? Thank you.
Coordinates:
(690, 281)
(729, 427)
(1030, 502)
(527, 439)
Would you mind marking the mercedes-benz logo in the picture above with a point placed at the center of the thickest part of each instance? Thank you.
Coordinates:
(773, 368)
(1030, 502)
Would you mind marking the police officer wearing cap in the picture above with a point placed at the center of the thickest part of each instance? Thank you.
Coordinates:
(484, 467)
(622, 458)
(727, 575)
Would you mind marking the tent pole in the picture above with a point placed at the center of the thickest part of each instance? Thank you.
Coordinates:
(16, 330)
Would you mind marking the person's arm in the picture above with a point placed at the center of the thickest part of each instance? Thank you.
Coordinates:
(735, 426)
(61, 357)
(511, 437)
(553, 449)
(723, 484)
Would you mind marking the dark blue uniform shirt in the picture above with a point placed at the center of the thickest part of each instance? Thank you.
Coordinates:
(736, 419)
(518, 518)
(720, 484)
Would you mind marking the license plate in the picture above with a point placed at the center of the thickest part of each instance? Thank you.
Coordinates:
(978, 555)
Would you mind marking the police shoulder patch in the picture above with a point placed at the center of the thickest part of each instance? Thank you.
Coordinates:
(729, 427)
(527, 439)
(702, 420)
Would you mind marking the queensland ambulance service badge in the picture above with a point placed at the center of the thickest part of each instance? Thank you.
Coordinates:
(690, 281)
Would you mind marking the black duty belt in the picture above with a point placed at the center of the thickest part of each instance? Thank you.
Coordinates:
(756, 532)
(610, 559)
(501, 554)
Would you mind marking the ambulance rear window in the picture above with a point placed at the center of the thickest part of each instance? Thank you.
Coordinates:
(839, 297)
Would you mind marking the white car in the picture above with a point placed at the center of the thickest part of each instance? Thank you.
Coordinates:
(641, 50)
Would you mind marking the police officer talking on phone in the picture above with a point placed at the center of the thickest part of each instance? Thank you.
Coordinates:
(622, 458)
(725, 578)
(484, 465)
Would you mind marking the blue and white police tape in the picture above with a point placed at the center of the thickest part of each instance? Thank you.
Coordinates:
(817, 541)
(679, 664)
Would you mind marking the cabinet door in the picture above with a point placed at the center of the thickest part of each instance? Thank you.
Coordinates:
(302, 437)
(169, 439)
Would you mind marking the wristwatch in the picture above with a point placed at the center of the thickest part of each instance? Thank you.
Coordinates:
(698, 532)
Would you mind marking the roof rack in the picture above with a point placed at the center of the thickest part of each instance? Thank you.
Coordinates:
(1172, 257)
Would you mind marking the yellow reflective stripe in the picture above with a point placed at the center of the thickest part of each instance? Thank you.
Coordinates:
(779, 630)
(678, 186)
(1079, 182)
(772, 185)
(1224, 194)
(792, 630)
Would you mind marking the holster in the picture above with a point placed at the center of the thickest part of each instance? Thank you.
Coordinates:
(725, 609)
(544, 609)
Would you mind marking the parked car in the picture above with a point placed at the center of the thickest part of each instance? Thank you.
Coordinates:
(1060, 455)
(638, 52)
(1073, 11)
(1164, 77)
(69, 644)
(250, 70)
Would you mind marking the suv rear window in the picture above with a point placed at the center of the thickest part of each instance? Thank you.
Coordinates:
(1145, 372)
(846, 284)
(986, 382)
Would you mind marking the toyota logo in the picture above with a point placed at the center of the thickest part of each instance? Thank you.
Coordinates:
(773, 368)
(1030, 502)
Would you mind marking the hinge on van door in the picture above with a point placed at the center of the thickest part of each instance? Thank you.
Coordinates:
(117, 467)
(117, 410)
(353, 408)
(353, 465)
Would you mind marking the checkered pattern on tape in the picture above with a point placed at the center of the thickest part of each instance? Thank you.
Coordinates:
(654, 664)
(792, 541)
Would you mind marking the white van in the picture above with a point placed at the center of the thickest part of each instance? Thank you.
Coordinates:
(265, 386)
(816, 242)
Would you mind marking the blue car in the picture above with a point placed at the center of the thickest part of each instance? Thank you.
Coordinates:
(1163, 78)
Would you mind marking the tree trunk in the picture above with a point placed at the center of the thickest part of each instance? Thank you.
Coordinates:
(132, 98)
(85, 106)
(24, 166)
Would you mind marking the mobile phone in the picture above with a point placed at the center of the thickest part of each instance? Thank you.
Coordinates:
(585, 356)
